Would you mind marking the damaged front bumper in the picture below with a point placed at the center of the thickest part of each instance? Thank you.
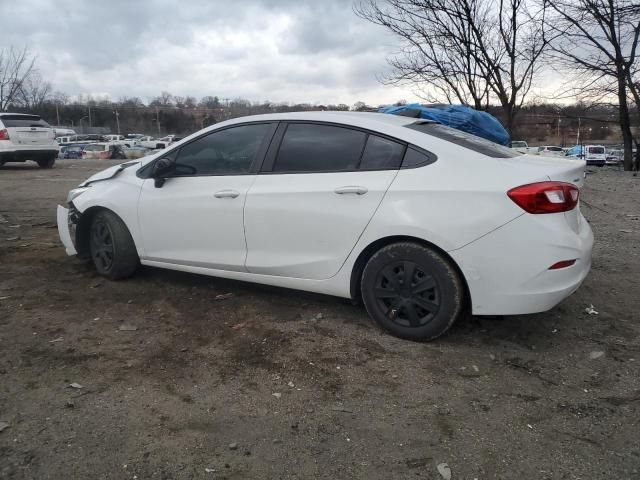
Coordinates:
(66, 228)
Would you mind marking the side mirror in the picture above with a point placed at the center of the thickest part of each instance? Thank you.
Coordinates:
(161, 170)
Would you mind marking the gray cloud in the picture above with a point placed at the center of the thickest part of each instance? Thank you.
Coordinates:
(280, 50)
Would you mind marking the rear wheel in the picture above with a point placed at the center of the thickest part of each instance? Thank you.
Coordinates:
(47, 162)
(112, 249)
(412, 291)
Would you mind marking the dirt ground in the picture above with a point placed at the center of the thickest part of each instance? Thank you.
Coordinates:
(273, 383)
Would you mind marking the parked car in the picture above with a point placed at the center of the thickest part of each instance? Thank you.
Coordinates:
(550, 151)
(136, 151)
(119, 139)
(614, 156)
(27, 137)
(72, 151)
(152, 143)
(133, 139)
(105, 151)
(359, 205)
(519, 146)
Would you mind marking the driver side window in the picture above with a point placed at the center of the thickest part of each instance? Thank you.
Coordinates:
(225, 152)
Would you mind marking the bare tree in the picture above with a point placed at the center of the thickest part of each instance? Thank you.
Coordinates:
(468, 51)
(34, 91)
(599, 44)
(15, 67)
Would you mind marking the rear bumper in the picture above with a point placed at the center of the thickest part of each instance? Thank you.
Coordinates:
(597, 163)
(19, 155)
(65, 230)
(508, 272)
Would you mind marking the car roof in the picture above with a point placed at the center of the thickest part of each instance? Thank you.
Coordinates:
(6, 114)
(334, 116)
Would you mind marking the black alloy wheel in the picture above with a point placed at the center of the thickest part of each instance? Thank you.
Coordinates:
(409, 296)
(102, 248)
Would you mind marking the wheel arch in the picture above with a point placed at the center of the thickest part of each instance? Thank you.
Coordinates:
(373, 247)
(83, 226)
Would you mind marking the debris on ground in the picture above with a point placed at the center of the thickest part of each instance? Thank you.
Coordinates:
(342, 409)
(277, 395)
(590, 310)
(444, 471)
(233, 446)
(56, 340)
(223, 296)
(3, 426)
(5, 298)
(240, 325)
(625, 230)
(209, 470)
(596, 354)
(76, 385)
(291, 384)
(127, 328)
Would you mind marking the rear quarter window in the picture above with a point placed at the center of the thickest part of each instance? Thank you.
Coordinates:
(463, 139)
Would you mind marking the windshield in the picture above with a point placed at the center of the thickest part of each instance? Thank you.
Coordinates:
(518, 144)
(463, 139)
(596, 150)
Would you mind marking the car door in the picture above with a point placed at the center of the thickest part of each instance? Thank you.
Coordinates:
(319, 187)
(196, 217)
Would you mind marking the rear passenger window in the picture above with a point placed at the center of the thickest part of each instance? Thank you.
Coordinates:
(381, 154)
(308, 147)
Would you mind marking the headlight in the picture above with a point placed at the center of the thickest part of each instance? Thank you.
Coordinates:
(75, 193)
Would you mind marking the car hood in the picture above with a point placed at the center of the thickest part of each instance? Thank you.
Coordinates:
(108, 173)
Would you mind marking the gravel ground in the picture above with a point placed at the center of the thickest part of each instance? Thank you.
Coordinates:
(273, 383)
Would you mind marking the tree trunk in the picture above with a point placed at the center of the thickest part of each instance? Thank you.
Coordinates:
(625, 124)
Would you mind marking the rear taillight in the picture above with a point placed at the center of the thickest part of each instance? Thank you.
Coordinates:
(545, 197)
(4, 134)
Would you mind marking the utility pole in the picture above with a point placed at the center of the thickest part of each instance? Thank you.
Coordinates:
(57, 114)
(89, 107)
(158, 120)
(117, 119)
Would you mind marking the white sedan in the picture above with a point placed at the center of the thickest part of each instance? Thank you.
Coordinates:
(416, 219)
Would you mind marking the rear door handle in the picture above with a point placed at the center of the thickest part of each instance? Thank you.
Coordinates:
(351, 190)
(226, 194)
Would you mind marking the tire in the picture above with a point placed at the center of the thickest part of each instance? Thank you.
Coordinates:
(423, 312)
(112, 249)
(47, 163)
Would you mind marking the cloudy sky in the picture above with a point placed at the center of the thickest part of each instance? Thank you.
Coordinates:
(314, 51)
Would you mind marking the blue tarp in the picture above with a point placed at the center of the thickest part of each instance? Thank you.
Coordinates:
(467, 119)
(575, 151)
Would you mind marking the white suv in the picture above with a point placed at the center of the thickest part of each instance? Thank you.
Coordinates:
(27, 137)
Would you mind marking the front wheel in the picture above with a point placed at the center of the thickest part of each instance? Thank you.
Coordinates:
(112, 249)
(47, 162)
(412, 291)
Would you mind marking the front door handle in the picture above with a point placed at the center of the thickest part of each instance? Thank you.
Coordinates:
(351, 189)
(226, 194)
